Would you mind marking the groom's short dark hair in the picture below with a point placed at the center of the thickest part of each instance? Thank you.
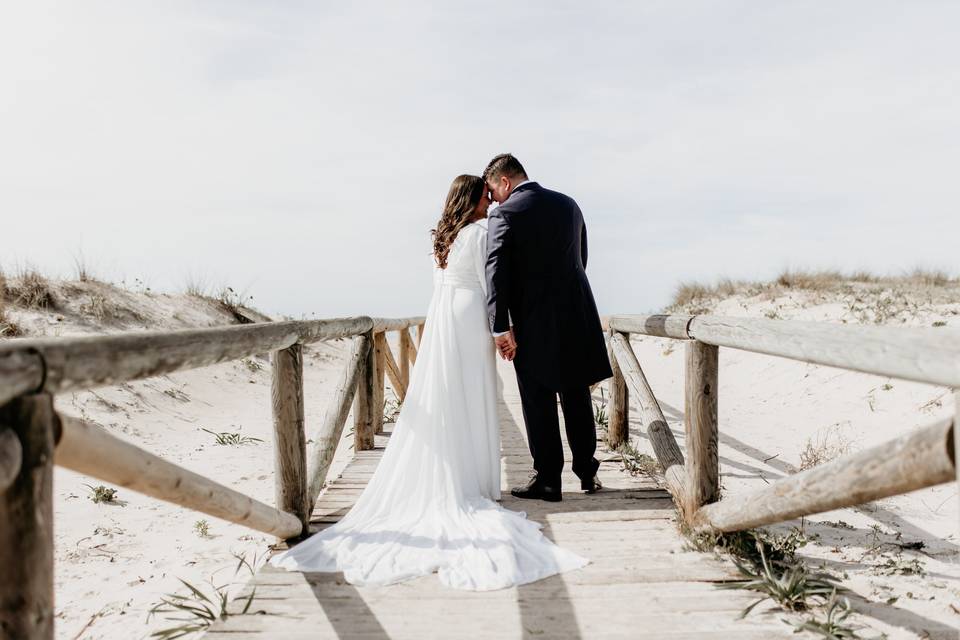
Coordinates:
(504, 165)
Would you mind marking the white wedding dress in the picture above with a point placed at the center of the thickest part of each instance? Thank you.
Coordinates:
(430, 506)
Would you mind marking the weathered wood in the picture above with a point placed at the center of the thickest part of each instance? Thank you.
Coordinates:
(91, 361)
(921, 355)
(420, 329)
(90, 449)
(914, 461)
(618, 427)
(327, 437)
(11, 457)
(366, 410)
(380, 390)
(26, 522)
(411, 349)
(956, 432)
(665, 446)
(700, 422)
(662, 326)
(393, 372)
(395, 324)
(21, 371)
(290, 458)
(405, 358)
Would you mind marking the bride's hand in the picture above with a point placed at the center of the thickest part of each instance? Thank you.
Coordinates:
(506, 345)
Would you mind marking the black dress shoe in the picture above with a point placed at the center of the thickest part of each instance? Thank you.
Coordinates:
(591, 485)
(537, 490)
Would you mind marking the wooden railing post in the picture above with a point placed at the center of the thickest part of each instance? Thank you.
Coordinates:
(700, 411)
(290, 456)
(365, 410)
(379, 347)
(419, 334)
(956, 433)
(405, 344)
(26, 522)
(618, 427)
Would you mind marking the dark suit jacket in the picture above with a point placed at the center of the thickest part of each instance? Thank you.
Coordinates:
(536, 256)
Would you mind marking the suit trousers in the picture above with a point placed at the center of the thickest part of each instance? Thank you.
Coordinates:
(543, 428)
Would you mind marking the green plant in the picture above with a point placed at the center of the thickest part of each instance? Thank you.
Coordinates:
(900, 566)
(200, 608)
(100, 493)
(834, 625)
(789, 584)
(940, 323)
(600, 411)
(202, 528)
(228, 438)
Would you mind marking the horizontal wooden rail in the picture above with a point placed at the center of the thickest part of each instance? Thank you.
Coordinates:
(661, 326)
(91, 450)
(90, 361)
(918, 354)
(396, 324)
(914, 461)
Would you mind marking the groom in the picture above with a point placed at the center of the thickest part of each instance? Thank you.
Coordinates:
(544, 319)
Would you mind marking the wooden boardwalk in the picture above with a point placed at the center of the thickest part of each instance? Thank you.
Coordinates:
(642, 582)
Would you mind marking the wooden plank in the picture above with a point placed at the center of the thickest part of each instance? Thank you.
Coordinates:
(290, 457)
(405, 356)
(393, 371)
(91, 361)
(914, 461)
(327, 437)
(26, 522)
(618, 429)
(90, 449)
(700, 422)
(411, 348)
(380, 349)
(918, 354)
(663, 326)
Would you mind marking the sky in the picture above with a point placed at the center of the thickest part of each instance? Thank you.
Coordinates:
(300, 152)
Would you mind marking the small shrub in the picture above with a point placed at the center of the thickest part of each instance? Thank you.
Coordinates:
(827, 447)
(810, 280)
(900, 566)
(233, 302)
(690, 293)
(8, 326)
(600, 412)
(98, 307)
(834, 625)
(226, 438)
(31, 290)
(202, 528)
(940, 323)
(100, 494)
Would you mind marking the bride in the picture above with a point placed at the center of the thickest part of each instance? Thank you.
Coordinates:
(430, 506)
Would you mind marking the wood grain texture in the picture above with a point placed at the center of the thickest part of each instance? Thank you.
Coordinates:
(618, 429)
(411, 348)
(922, 355)
(700, 422)
(914, 461)
(380, 364)
(26, 523)
(395, 324)
(91, 361)
(420, 329)
(21, 370)
(90, 449)
(11, 457)
(663, 326)
(405, 357)
(290, 458)
(327, 437)
(392, 369)
(365, 419)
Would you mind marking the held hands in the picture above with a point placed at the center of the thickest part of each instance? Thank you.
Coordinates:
(506, 345)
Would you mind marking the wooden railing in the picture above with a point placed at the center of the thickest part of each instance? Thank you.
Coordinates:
(33, 437)
(922, 458)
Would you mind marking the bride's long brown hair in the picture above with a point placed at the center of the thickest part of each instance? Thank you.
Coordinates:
(458, 212)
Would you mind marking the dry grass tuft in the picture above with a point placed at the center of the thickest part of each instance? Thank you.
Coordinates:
(811, 280)
(31, 290)
(8, 327)
(828, 446)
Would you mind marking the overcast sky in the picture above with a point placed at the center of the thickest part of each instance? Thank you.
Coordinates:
(302, 150)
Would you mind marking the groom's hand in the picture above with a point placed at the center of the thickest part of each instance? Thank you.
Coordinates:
(506, 345)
